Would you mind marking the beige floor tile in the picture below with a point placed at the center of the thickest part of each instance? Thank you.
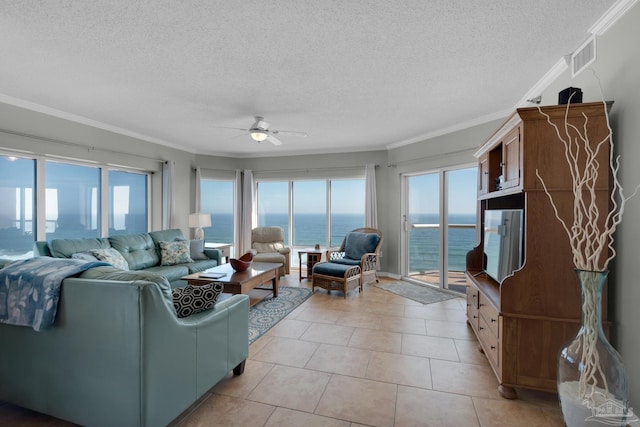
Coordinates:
(229, 412)
(448, 329)
(428, 408)
(241, 385)
(359, 319)
(283, 417)
(403, 324)
(289, 328)
(433, 347)
(319, 315)
(425, 312)
(259, 344)
(385, 309)
(399, 369)
(371, 339)
(340, 360)
(456, 315)
(469, 352)
(359, 400)
(512, 413)
(328, 333)
(285, 351)
(291, 388)
(463, 378)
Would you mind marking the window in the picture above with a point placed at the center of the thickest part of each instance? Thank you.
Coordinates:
(273, 205)
(72, 201)
(127, 203)
(347, 208)
(322, 211)
(216, 199)
(17, 229)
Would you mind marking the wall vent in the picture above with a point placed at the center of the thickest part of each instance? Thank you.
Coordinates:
(583, 56)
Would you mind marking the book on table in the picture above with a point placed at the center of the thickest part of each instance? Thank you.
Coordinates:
(212, 275)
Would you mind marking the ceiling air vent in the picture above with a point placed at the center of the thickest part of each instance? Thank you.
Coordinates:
(583, 56)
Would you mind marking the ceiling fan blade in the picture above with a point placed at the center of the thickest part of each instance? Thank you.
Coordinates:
(260, 124)
(227, 127)
(272, 139)
(289, 132)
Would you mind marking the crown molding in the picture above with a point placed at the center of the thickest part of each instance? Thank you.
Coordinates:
(611, 16)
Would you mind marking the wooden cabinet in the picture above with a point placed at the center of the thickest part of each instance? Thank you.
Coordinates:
(522, 322)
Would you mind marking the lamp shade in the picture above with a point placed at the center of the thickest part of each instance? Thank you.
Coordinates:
(197, 220)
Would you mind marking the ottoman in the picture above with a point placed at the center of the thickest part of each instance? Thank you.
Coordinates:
(336, 277)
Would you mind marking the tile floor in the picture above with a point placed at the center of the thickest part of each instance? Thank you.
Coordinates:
(373, 359)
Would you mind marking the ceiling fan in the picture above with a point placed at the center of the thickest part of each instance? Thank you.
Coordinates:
(259, 132)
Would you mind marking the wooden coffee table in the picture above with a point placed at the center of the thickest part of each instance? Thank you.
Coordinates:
(240, 282)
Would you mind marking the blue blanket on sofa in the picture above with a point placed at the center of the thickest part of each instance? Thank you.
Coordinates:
(30, 289)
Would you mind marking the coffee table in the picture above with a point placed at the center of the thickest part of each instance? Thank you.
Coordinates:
(240, 282)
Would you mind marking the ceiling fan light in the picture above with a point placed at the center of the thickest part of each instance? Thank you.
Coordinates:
(258, 135)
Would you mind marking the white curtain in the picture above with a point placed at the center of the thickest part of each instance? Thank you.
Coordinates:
(239, 232)
(198, 206)
(167, 194)
(370, 202)
(247, 212)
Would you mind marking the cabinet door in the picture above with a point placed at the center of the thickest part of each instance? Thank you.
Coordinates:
(483, 170)
(511, 152)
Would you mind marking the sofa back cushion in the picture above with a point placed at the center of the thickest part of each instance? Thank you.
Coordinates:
(138, 249)
(65, 248)
(166, 235)
(267, 247)
(358, 244)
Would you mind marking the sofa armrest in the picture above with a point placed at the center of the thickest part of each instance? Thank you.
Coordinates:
(284, 251)
(214, 254)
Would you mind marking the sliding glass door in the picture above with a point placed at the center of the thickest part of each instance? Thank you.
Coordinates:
(439, 210)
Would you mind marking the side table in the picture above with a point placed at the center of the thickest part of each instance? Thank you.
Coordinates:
(313, 256)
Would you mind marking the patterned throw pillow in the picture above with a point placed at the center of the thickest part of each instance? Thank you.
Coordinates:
(177, 252)
(85, 256)
(111, 256)
(194, 299)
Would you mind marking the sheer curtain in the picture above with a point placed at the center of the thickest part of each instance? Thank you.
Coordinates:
(198, 206)
(245, 206)
(167, 194)
(370, 202)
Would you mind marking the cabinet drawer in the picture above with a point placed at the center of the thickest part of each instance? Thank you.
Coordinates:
(472, 305)
(490, 315)
(490, 343)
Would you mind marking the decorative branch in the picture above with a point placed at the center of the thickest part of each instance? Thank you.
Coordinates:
(589, 243)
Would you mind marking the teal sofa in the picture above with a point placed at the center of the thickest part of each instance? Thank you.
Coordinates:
(139, 250)
(118, 355)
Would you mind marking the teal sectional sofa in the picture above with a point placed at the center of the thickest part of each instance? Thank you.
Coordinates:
(139, 250)
(118, 355)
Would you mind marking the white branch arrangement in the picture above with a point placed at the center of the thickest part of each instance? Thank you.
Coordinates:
(592, 247)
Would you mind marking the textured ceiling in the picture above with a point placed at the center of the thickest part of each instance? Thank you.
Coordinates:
(355, 75)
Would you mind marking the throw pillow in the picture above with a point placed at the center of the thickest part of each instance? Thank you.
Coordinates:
(196, 248)
(111, 256)
(194, 299)
(85, 256)
(177, 252)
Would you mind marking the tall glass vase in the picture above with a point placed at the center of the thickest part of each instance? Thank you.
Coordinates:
(592, 381)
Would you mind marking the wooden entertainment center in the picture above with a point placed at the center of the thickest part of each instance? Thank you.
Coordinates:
(522, 323)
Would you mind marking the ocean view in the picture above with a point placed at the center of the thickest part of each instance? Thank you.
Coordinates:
(309, 229)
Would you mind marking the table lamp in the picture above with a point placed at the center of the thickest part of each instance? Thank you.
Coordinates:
(197, 221)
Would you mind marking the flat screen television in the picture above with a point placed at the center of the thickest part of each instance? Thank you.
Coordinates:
(503, 234)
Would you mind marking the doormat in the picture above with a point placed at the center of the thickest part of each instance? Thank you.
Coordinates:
(419, 293)
(267, 313)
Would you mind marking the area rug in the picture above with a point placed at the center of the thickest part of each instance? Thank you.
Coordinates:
(420, 293)
(268, 312)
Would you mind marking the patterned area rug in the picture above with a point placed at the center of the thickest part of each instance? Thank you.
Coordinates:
(268, 312)
(419, 293)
